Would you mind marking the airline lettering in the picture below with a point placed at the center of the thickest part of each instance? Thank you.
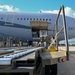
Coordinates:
(71, 28)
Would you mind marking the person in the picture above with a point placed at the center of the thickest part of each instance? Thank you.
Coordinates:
(48, 41)
(4, 43)
(42, 41)
(30, 43)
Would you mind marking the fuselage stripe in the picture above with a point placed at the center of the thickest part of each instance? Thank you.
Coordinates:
(8, 24)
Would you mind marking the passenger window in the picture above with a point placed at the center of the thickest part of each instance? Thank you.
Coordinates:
(34, 19)
(21, 18)
(27, 18)
(49, 19)
(43, 19)
(1, 18)
(37, 18)
(24, 18)
(17, 18)
(46, 19)
(40, 18)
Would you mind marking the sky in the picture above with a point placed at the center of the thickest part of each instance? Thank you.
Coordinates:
(46, 6)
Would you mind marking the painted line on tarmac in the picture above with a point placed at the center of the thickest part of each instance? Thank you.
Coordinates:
(72, 55)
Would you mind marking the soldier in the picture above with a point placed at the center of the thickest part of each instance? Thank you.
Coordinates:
(48, 40)
(42, 41)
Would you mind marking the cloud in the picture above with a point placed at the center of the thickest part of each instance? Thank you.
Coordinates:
(9, 8)
(49, 11)
(68, 12)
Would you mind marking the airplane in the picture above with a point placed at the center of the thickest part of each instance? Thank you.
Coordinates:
(23, 25)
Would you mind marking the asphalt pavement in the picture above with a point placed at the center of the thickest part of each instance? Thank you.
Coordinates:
(68, 68)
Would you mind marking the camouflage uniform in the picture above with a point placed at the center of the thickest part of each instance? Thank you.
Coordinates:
(48, 40)
(42, 41)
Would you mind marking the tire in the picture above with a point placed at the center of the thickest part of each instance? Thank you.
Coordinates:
(47, 70)
(53, 69)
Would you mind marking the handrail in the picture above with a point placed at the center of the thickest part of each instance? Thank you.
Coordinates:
(58, 32)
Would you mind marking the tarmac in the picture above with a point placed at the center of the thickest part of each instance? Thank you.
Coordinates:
(68, 67)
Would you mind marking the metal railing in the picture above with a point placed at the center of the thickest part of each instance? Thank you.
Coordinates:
(55, 29)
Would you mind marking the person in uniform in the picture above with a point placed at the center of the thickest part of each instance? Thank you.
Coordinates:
(42, 41)
(48, 40)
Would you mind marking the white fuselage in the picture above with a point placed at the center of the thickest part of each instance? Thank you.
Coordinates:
(18, 24)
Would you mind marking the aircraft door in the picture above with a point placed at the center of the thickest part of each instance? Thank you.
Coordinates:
(9, 20)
